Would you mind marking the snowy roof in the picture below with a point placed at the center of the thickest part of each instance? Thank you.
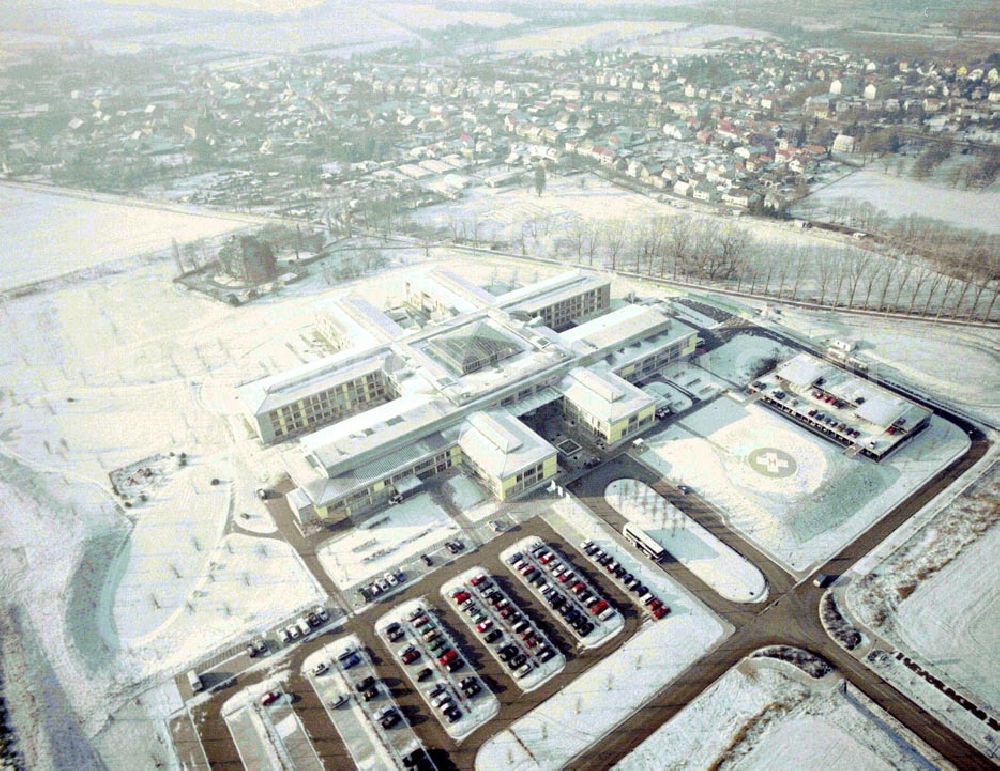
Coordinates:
(620, 327)
(879, 406)
(275, 391)
(370, 317)
(457, 282)
(500, 444)
(803, 370)
(603, 395)
(447, 294)
(381, 428)
(532, 298)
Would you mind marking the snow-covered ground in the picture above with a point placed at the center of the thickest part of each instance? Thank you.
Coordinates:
(468, 495)
(953, 619)
(45, 234)
(387, 540)
(741, 359)
(797, 496)
(430, 16)
(765, 714)
(605, 34)
(725, 571)
(690, 39)
(590, 707)
(900, 196)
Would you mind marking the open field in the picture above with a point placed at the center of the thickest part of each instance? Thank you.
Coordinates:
(794, 494)
(953, 619)
(766, 714)
(43, 234)
(901, 196)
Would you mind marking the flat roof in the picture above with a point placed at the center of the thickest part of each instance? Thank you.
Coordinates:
(500, 444)
(381, 428)
(534, 297)
(619, 327)
(444, 293)
(461, 284)
(274, 391)
(603, 395)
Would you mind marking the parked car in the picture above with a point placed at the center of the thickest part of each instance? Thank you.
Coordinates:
(410, 655)
(424, 674)
(269, 698)
(338, 700)
(321, 668)
(426, 560)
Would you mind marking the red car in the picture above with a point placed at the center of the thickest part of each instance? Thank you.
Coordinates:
(660, 612)
(528, 571)
(546, 558)
(565, 577)
(602, 605)
(478, 580)
(269, 698)
(410, 655)
(483, 626)
(462, 597)
(447, 656)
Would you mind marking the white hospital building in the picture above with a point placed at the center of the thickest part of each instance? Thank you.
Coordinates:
(400, 404)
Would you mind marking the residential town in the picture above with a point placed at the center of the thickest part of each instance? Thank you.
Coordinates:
(355, 143)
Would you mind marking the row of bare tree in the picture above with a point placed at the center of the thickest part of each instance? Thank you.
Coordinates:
(713, 253)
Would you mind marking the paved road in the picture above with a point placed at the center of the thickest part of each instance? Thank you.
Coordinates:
(790, 616)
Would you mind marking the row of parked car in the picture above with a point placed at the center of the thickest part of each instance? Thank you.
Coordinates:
(301, 628)
(426, 634)
(580, 605)
(380, 586)
(653, 605)
(503, 627)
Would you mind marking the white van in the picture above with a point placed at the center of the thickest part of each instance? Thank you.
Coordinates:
(303, 626)
(194, 680)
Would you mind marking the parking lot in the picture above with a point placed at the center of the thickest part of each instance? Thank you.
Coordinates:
(504, 628)
(571, 598)
(267, 730)
(431, 659)
(361, 707)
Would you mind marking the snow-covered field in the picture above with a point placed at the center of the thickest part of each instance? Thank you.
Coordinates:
(740, 360)
(794, 494)
(430, 16)
(605, 34)
(900, 196)
(44, 234)
(765, 714)
(385, 541)
(688, 39)
(953, 619)
(725, 571)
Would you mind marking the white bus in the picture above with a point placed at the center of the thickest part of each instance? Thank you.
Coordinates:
(646, 544)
